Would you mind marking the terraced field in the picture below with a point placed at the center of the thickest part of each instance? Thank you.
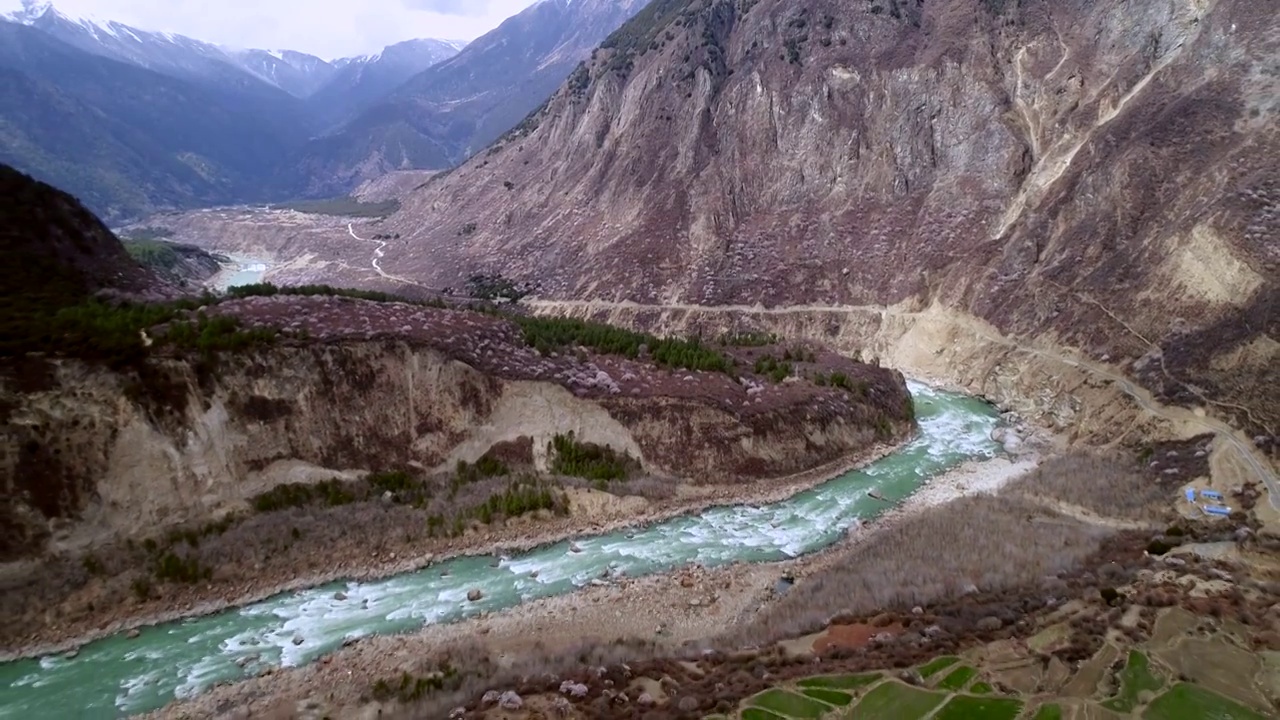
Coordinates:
(1190, 669)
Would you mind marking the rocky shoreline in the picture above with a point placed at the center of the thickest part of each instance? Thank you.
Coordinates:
(689, 604)
(689, 499)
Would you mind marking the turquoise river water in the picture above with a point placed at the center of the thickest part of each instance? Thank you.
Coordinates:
(117, 676)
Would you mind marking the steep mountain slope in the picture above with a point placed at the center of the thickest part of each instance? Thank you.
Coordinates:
(1092, 174)
(298, 74)
(453, 109)
(56, 250)
(128, 140)
(359, 82)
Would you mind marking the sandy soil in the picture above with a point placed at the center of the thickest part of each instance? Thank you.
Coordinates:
(690, 604)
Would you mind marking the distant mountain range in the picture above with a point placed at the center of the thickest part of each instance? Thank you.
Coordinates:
(134, 121)
(298, 74)
(448, 112)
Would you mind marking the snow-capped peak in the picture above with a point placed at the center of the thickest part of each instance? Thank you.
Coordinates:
(31, 11)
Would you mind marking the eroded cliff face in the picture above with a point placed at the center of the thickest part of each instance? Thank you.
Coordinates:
(1097, 176)
(89, 453)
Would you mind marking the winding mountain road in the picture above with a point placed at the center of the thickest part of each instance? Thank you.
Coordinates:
(377, 256)
(1230, 437)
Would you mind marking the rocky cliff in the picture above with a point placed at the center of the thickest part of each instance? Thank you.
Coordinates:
(1091, 176)
(352, 385)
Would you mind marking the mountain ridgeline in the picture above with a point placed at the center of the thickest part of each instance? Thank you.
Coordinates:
(456, 108)
(1061, 170)
(135, 121)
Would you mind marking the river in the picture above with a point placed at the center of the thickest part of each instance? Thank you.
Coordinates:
(247, 271)
(118, 676)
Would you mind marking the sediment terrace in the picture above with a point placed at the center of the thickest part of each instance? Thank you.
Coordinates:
(1060, 388)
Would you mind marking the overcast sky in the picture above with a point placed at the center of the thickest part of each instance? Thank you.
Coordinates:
(328, 28)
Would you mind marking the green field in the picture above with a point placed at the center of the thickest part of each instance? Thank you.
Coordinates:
(958, 678)
(1135, 679)
(895, 701)
(1185, 701)
(965, 707)
(936, 665)
(1048, 712)
(841, 682)
(758, 714)
(1006, 682)
(789, 704)
(830, 697)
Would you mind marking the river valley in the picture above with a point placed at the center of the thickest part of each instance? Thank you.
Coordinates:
(122, 675)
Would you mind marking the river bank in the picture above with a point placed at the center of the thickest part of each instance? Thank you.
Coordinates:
(184, 659)
(687, 605)
(596, 513)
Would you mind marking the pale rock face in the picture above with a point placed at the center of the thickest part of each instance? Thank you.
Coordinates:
(84, 450)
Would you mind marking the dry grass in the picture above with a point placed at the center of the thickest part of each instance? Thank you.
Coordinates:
(1107, 484)
(590, 663)
(647, 486)
(982, 543)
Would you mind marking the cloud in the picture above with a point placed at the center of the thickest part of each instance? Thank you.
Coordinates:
(468, 8)
(327, 28)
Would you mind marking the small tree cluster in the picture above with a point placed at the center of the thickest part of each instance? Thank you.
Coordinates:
(496, 287)
(799, 355)
(776, 370)
(842, 381)
(271, 290)
(210, 336)
(411, 688)
(331, 493)
(518, 499)
(467, 473)
(184, 569)
(551, 334)
(588, 460)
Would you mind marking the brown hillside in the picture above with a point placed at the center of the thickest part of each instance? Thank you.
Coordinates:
(1102, 174)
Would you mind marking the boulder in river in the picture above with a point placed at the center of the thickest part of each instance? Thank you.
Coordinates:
(1012, 443)
(297, 639)
(339, 596)
(474, 594)
(134, 633)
